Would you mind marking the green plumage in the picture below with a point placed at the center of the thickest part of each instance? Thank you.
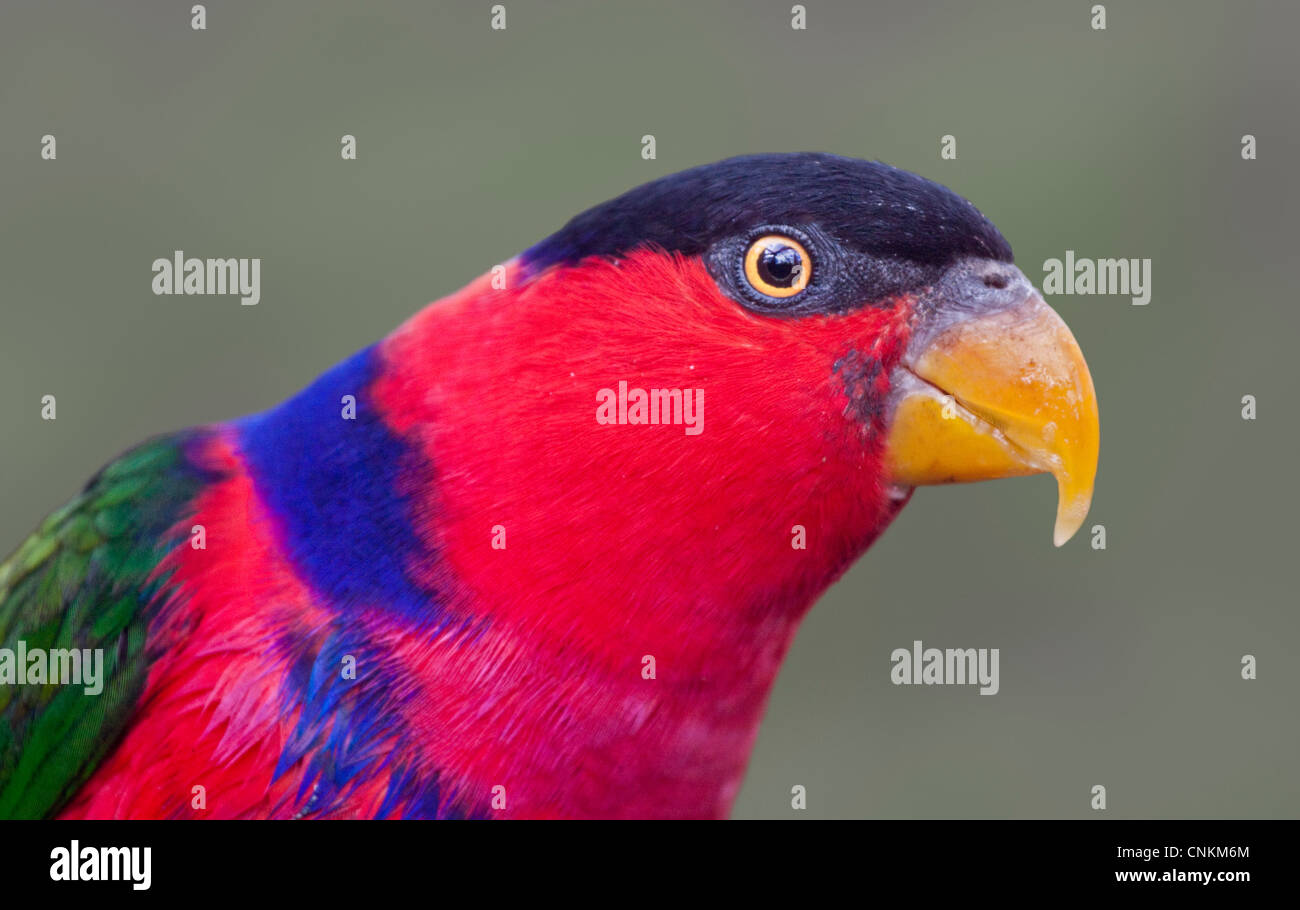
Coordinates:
(83, 580)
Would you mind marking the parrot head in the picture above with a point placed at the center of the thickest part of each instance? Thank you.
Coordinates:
(890, 301)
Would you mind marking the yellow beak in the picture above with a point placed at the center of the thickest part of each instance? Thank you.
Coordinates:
(999, 394)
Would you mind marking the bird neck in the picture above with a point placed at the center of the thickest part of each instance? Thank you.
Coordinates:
(651, 577)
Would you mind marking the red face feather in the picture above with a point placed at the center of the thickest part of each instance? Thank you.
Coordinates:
(628, 541)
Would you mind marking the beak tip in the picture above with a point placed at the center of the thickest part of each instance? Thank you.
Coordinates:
(1069, 519)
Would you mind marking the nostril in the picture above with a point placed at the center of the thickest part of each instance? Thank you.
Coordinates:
(997, 280)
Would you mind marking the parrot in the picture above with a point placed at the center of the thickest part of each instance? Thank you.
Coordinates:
(540, 552)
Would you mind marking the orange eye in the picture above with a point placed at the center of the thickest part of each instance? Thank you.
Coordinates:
(777, 266)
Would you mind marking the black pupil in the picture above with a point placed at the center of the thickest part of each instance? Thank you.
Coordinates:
(779, 265)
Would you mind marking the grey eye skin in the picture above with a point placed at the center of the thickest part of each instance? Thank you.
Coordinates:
(842, 279)
(786, 262)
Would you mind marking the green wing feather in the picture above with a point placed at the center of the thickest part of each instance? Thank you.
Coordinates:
(85, 579)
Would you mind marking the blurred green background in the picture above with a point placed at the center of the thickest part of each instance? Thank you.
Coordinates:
(1118, 667)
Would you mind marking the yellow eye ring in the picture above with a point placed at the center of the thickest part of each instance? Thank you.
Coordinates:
(777, 266)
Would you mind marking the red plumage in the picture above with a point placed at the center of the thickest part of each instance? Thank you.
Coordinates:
(622, 542)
